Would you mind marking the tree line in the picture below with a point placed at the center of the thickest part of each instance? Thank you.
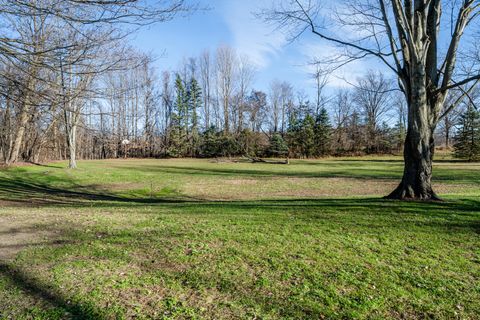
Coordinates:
(207, 107)
(53, 55)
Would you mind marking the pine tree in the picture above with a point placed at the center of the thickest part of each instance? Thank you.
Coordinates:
(181, 104)
(467, 144)
(194, 104)
(277, 146)
(307, 136)
(179, 128)
(210, 146)
(293, 132)
(323, 132)
(399, 134)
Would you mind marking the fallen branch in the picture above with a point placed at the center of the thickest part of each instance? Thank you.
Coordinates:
(260, 160)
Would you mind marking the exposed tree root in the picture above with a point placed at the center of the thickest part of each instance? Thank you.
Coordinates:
(411, 193)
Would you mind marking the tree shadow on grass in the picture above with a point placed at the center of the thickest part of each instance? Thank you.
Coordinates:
(359, 224)
(401, 161)
(28, 191)
(38, 190)
(41, 188)
(450, 216)
(357, 216)
(264, 171)
(45, 296)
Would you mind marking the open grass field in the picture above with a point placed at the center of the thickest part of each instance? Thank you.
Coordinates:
(195, 239)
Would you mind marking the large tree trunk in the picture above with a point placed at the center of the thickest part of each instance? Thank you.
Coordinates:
(419, 148)
(226, 126)
(416, 183)
(23, 117)
(6, 131)
(72, 147)
(71, 121)
(18, 137)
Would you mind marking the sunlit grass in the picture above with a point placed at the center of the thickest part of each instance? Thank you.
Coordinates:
(188, 238)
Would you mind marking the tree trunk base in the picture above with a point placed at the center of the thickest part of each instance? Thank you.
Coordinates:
(410, 193)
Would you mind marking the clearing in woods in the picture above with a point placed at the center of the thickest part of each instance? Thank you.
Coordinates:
(203, 239)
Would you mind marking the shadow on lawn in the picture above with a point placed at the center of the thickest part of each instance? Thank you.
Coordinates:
(401, 161)
(358, 215)
(264, 170)
(348, 219)
(41, 188)
(26, 190)
(37, 189)
(43, 294)
(334, 171)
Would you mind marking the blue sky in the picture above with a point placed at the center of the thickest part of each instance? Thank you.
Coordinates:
(231, 22)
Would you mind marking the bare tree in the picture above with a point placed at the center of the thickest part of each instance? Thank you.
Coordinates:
(32, 35)
(275, 99)
(286, 104)
(73, 91)
(405, 37)
(205, 62)
(372, 95)
(257, 103)
(449, 121)
(150, 99)
(342, 109)
(225, 70)
(28, 41)
(245, 75)
(321, 80)
(401, 112)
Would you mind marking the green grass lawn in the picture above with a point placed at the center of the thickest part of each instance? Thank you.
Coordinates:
(194, 239)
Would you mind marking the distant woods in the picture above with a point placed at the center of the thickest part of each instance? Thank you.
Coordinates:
(207, 107)
(70, 88)
(54, 55)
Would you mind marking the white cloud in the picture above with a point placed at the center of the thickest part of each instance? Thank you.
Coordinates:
(251, 36)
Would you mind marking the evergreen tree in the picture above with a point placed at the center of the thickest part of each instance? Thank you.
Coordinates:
(181, 104)
(399, 134)
(277, 147)
(215, 143)
(194, 97)
(467, 144)
(210, 146)
(307, 136)
(323, 132)
(179, 127)
(293, 134)
(249, 143)
(228, 144)
(385, 138)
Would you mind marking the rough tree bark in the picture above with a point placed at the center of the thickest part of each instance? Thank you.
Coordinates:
(23, 117)
(72, 147)
(71, 117)
(418, 157)
(419, 145)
